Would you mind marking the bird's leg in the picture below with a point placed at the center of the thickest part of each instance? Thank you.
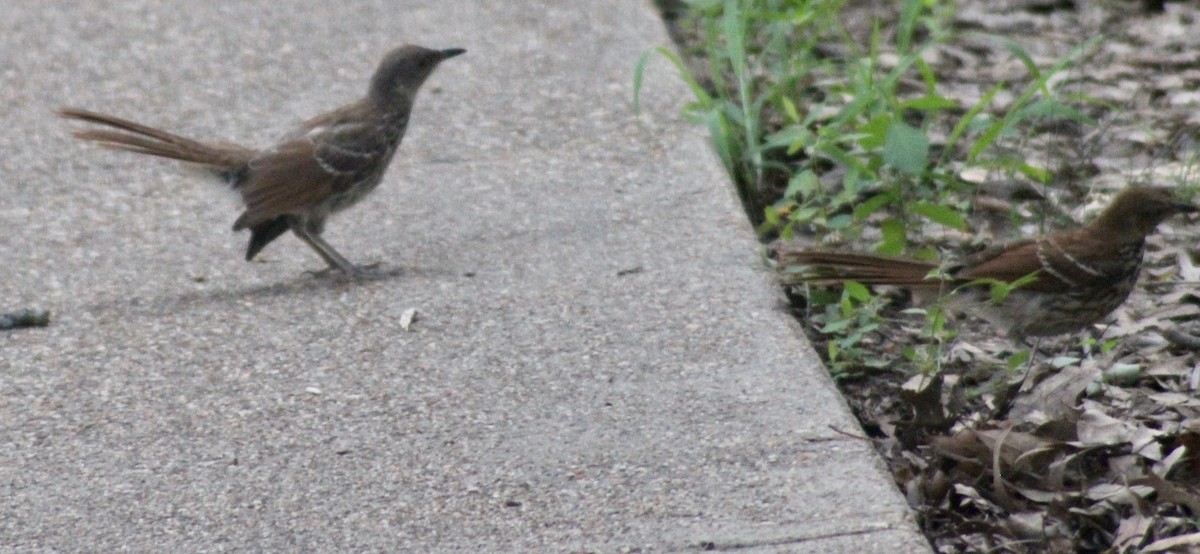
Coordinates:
(331, 256)
(1008, 395)
(1029, 366)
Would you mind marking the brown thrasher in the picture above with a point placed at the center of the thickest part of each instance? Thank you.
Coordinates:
(325, 165)
(1079, 276)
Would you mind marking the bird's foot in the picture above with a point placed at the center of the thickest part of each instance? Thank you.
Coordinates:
(356, 272)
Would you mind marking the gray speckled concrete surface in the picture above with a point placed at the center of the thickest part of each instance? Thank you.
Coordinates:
(599, 363)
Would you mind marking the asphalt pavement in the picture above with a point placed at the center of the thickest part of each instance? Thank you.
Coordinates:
(598, 362)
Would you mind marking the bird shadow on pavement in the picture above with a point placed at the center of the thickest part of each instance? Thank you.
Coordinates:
(303, 284)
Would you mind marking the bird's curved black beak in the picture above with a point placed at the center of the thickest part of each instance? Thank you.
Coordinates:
(451, 52)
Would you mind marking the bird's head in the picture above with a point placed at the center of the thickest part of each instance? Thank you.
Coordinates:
(1136, 211)
(403, 70)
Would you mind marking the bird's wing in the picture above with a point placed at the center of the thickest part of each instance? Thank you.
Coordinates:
(327, 155)
(1063, 261)
(351, 152)
(1010, 262)
(1092, 259)
(283, 180)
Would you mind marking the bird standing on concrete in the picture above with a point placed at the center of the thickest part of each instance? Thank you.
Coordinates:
(1079, 276)
(326, 165)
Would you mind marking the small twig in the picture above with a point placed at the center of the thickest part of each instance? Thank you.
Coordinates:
(848, 434)
(1164, 284)
(24, 318)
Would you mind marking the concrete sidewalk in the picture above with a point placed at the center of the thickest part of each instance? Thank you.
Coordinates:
(599, 363)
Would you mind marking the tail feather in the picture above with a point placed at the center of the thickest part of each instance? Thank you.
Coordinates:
(138, 138)
(131, 143)
(826, 268)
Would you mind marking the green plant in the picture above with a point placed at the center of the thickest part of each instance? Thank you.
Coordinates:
(848, 321)
(829, 135)
(760, 53)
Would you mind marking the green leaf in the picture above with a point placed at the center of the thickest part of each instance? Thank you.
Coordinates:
(703, 100)
(718, 130)
(927, 253)
(789, 108)
(868, 328)
(986, 139)
(967, 120)
(927, 75)
(872, 205)
(1038, 85)
(894, 237)
(839, 221)
(734, 27)
(803, 215)
(793, 137)
(875, 131)
(639, 71)
(802, 185)
(942, 215)
(833, 152)
(1018, 359)
(837, 326)
(1051, 108)
(1038, 174)
(857, 291)
(998, 291)
(906, 148)
(1015, 49)
(929, 103)
(908, 23)
(771, 215)
(937, 321)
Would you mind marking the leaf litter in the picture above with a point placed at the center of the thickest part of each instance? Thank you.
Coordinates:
(1099, 451)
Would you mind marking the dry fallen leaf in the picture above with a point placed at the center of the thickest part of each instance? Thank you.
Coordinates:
(1183, 544)
(1057, 396)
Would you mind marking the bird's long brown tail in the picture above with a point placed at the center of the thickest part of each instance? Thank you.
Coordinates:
(825, 268)
(135, 137)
